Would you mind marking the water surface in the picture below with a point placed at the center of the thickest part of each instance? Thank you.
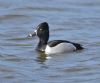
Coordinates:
(73, 20)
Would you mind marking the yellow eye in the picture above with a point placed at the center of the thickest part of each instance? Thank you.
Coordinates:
(41, 29)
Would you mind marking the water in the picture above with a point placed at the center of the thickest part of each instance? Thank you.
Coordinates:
(74, 20)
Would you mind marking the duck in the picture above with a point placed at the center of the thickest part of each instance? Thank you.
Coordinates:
(54, 46)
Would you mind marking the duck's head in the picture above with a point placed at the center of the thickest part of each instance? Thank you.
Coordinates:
(42, 31)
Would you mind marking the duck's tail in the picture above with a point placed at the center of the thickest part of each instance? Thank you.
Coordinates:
(78, 46)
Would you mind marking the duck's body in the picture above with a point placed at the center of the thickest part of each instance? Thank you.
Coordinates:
(60, 46)
(55, 46)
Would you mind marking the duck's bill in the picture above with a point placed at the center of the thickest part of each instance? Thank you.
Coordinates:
(32, 34)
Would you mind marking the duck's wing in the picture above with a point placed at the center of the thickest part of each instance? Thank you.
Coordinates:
(56, 42)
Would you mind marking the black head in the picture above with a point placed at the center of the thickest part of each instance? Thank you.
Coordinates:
(42, 31)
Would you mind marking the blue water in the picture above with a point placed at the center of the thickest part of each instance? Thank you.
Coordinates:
(73, 20)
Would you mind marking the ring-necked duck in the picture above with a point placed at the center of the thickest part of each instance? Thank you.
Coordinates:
(55, 46)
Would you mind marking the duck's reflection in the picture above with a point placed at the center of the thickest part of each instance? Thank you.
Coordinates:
(42, 57)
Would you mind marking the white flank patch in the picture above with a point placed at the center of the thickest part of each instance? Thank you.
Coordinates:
(60, 48)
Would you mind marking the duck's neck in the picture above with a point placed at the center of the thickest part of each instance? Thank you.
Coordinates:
(43, 40)
(42, 44)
